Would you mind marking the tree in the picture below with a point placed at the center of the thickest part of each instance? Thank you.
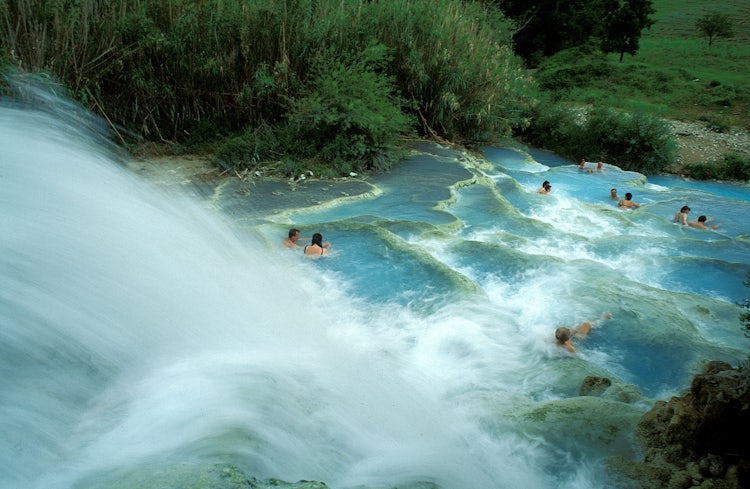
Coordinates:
(544, 27)
(714, 25)
(624, 22)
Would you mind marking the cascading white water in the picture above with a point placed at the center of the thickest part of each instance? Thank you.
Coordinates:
(139, 329)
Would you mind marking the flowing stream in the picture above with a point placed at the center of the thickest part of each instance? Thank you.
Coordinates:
(150, 323)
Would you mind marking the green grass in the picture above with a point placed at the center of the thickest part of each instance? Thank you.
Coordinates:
(674, 75)
(723, 60)
(676, 18)
(705, 75)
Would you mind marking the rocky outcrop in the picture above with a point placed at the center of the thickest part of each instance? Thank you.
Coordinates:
(697, 440)
(606, 389)
(594, 386)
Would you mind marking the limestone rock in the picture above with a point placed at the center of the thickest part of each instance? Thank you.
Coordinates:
(594, 386)
(699, 439)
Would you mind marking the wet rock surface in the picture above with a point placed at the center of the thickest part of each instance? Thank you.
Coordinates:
(697, 440)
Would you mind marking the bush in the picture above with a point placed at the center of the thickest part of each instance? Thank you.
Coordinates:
(645, 79)
(701, 171)
(551, 128)
(349, 120)
(717, 94)
(720, 124)
(454, 61)
(350, 113)
(572, 68)
(736, 167)
(157, 67)
(571, 77)
(731, 167)
(247, 150)
(636, 142)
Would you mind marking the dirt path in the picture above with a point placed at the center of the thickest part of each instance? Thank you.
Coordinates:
(699, 144)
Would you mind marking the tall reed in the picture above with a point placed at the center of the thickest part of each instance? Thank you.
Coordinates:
(172, 69)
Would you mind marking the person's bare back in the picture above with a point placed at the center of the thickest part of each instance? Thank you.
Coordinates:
(628, 203)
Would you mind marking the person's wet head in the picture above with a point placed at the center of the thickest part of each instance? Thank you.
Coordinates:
(562, 334)
(292, 237)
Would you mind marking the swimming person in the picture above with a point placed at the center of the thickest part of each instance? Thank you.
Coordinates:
(682, 216)
(613, 194)
(291, 240)
(701, 223)
(317, 247)
(582, 166)
(564, 336)
(546, 188)
(628, 202)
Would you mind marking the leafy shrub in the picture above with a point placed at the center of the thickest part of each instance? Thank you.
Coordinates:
(717, 94)
(550, 128)
(701, 171)
(736, 167)
(718, 124)
(587, 76)
(583, 54)
(453, 60)
(636, 142)
(350, 114)
(569, 77)
(157, 67)
(575, 67)
(731, 167)
(349, 120)
(646, 79)
(247, 150)
(204, 132)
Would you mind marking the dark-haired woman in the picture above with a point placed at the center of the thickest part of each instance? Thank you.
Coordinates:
(317, 247)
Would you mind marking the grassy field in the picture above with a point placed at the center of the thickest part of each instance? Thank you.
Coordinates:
(674, 41)
(675, 19)
(676, 74)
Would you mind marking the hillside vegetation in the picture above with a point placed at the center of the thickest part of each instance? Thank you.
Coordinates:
(336, 84)
(329, 82)
(710, 83)
(675, 75)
